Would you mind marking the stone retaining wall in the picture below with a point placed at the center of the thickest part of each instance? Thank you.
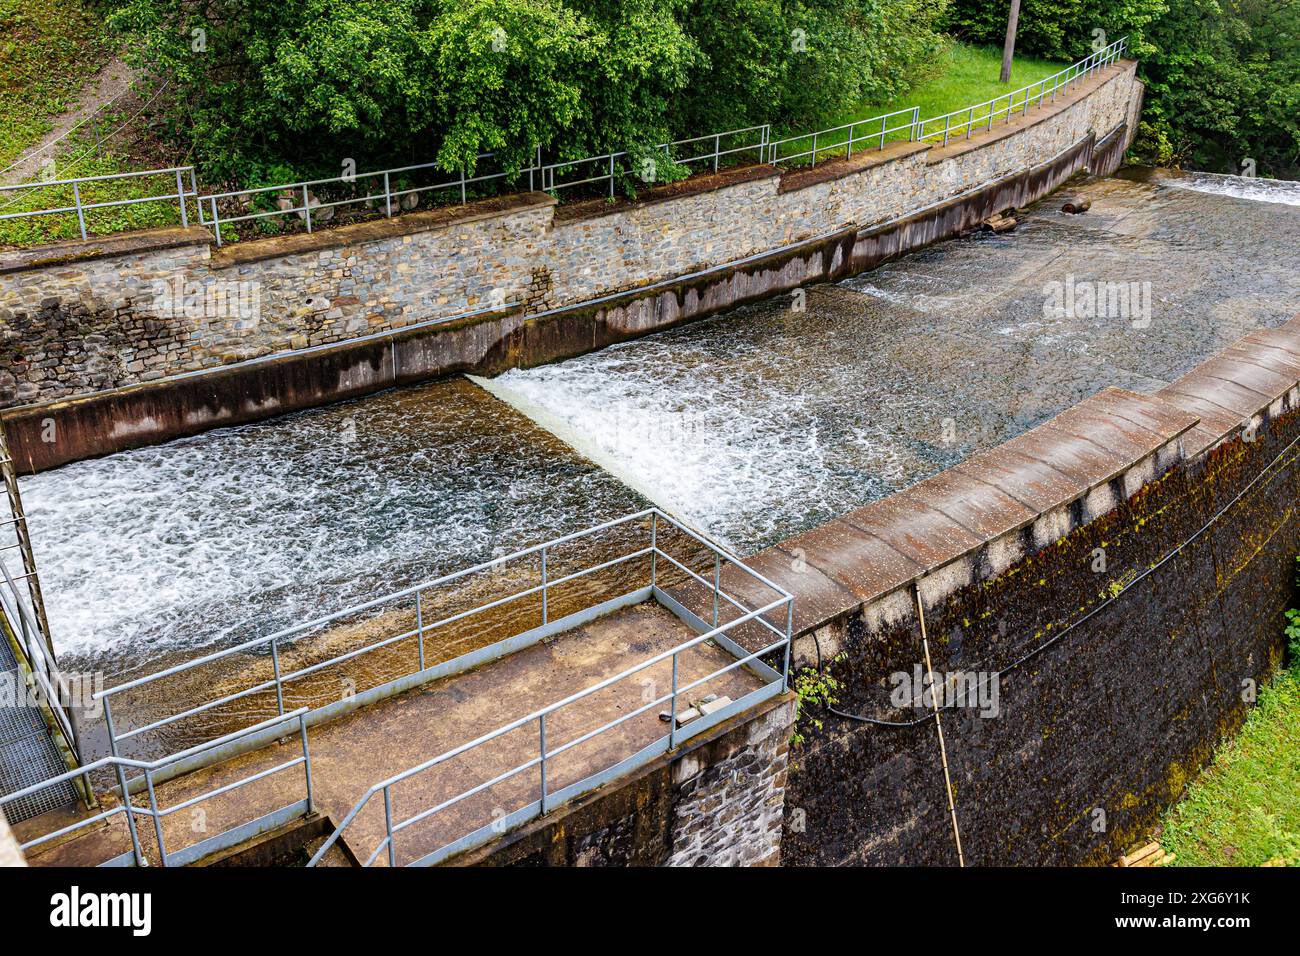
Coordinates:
(113, 330)
(1102, 573)
(714, 802)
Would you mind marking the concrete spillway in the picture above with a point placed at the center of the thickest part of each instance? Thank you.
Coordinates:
(754, 425)
(775, 418)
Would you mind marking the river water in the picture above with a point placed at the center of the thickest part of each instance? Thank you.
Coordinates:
(769, 420)
(752, 426)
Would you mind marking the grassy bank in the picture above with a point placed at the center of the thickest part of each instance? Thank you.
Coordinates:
(1245, 809)
(48, 50)
(963, 76)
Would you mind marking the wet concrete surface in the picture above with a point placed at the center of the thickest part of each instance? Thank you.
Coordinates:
(776, 418)
(353, 753)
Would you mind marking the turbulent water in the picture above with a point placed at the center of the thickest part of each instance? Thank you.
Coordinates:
(769, 420)
(1263, 190)
(240, 532)
(753, 425)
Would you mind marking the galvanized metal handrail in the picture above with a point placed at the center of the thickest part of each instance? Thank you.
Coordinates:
(50, 683)
(273, 643)
(149, 770)
(767, 151)
(539, 717)
(846, 144)
(80, 207)
(974, 116)
(612, 172)
(302, 205)
(210, 211)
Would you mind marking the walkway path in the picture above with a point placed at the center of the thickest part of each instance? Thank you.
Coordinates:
(354, 752)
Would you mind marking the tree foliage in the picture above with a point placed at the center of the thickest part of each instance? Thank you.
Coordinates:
(1223, 76)
(259, 88)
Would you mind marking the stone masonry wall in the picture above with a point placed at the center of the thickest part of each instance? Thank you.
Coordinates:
(717, 801)
(729, 805)
(84, 317)
(1120, 574)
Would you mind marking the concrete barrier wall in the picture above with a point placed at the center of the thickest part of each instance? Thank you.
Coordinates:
(1121, 572)
(715, 802)
(120, 342)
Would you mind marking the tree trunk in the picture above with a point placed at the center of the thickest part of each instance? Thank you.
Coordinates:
(1009, 48)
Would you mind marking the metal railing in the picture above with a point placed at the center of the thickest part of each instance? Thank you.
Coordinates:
(964, 122)
(711, 631)
(177, 174)
(146, 780)
(414, 601)
(296, 199)
(609, 167)
(49, 683)
(845, 138)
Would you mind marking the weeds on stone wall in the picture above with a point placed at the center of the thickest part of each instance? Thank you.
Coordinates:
(814, 689)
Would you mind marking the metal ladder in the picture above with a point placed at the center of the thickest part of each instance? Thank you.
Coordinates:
(30, 736)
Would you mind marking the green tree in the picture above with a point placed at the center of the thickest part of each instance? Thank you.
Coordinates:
(1223, 76)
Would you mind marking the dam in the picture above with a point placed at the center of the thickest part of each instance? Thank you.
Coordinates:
(846, 457)
(752, 426)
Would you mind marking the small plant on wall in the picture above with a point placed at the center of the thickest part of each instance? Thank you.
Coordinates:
(813, 688)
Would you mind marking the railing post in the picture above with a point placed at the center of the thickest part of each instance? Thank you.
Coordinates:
(306, 206)
(388, 826)
(717, 584)
(180, 196)
(717, 151)
(419, 624)
(654, 550)
(545, 584)
(789, 642)
(388, 196)
(306, 762)
(157, 820)
(541, 740)
(140, 859)
(814, 150)
(611, 175)
(970, 119)
(275, 665)
(216, 221)
(672, 709)
(463, 197)
(947, 126)
(81, 215)
(916, 124)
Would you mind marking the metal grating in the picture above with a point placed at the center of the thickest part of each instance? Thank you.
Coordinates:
(28, 753)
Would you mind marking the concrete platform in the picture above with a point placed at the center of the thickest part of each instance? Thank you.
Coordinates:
(356, 751)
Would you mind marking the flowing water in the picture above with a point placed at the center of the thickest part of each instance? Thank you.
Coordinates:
(214, 540)
(753, 425)
(767, 421)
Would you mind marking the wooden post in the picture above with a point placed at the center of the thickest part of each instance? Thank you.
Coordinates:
(1009, 47)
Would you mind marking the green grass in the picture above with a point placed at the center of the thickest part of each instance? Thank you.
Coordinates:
(1245, 809)
(48, 50)
(83, 155)
(964, 76)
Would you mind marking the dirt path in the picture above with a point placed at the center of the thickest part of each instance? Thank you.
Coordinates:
(105, 87)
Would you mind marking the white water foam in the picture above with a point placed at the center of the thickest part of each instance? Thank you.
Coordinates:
(1284, 191)
(223, 537)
